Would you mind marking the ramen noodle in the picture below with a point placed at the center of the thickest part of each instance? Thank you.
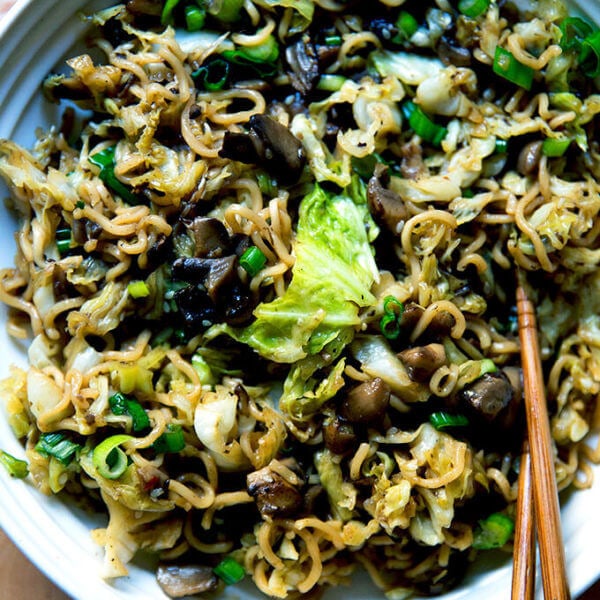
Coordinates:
(266, 264)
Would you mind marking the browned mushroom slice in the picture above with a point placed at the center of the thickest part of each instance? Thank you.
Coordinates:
(211, 237)
(367, 402)
(339, 435)
(178, 581)
(489, 395)
(422, 361)
(274, 496)
(303, 60)
(386, 206)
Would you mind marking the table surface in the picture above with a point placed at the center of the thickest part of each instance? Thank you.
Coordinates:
(16, 568)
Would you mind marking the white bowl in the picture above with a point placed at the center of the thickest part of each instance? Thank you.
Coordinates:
(34, 37)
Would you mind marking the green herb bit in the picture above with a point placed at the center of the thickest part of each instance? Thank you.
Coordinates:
(212, 76)
(105, 160)
(63, 240)
(393, 306)
(422, 124)
(170, 441)
(487, 365)
(493, 532)
(80, 204)
(253, 260)
(230, 571)
(573, 31)
(138, 289)
(473, 8)
(333, 40)
(507, 66)
(389, 326)
(58, 446)
(166, 17)
(407, 26)
(555, 147)
(109, 459)
(501, 146)
(268, 51)
(195, 17)
(15, 466)
(331, 83)
(227, 11)
(589, 57)
(120, 404)
(443, 420)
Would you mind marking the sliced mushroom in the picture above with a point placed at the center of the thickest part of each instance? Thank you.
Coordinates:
(386, 206)
(339, 435)
(186, 580)
(440, 326)
(412, 165)
(212, 272)
(274, 495)
(270, 144)
(529, 158)
(210, 236)
(367, 402)
(489, 395)
(422, 361)
(303, 61)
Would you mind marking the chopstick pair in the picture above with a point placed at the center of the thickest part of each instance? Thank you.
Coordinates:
(537, 506)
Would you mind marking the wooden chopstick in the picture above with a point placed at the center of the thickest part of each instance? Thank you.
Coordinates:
(523, 575)
(547, 512)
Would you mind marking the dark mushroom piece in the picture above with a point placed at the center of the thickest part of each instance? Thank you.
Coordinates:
(385, 205)
(412, 165)
(339, 435)
(422, 361)
(440, 326)
(178, 581)
(529, 158)
(210, 236)
(274, 495)
(269, 144)
(302, 59)
(366, 402)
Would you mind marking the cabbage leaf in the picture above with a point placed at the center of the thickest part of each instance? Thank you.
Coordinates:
(331, 280)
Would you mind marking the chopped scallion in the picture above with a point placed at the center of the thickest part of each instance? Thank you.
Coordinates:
(501, 146)
(195, 16)
(230, 571)
(333, 40)
(487, 365)
(393, 306)
(493, 532)
(389, 326)
(573, 31)
(473, 8)
(267, 51)
(15, 466)
(422, 124)
(109, 459)
(443, 420)
(589, 57)
(58, 446)
(507, 66)
(80, 204)
(407, 25)
(253, 260)
(555, 147)
(105, 160)
(120, 404)
(170, 441)
(213, 75)
(166, 17)
(227, 11)
(63, 240)
(330, 83)
(138, 289)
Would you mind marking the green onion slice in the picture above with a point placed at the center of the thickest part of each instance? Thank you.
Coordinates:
(501, 146)
(213, 75)
(226, 10)
(63, 240)
(138, 289)
(443, 420)
(195, 16)
(422, 124)
(109, 459)
(473, 8)
(589, 57)
(230, 571)
(389, 326)
(253, 260)
(105, 160)
(15, 466)
(393, 306)
(574, 30)
(507, 66)
(407, 25)
(166, 17)
(493, 532)
(58, 446)
(333, 40)
(170, 441)
(331, 83)
(120, 404)
(268, 51)
(487, 365)
(555, 147)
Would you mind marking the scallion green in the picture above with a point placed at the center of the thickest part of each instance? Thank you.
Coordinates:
(105, 160)
(15, 466)
(63, 240)
(195, 17)
(166, 17)
(170, 441)
(589, 57)
(493, 532)
(422, 124)
(253, 260)
(212, 76)
(473, 8)
(573, 31)
(555, 147)
(57, 445)
(333, 40)
(501, 146)
(329, 82)
(443, 420)
(267, 51)
(230, 571)
(121, 404)
(227, 11)
(109, 459)
(407, 26)
(138, 289)
(389, 326)
(508, 67)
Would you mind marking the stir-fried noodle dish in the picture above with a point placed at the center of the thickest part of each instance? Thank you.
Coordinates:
(267, 262)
